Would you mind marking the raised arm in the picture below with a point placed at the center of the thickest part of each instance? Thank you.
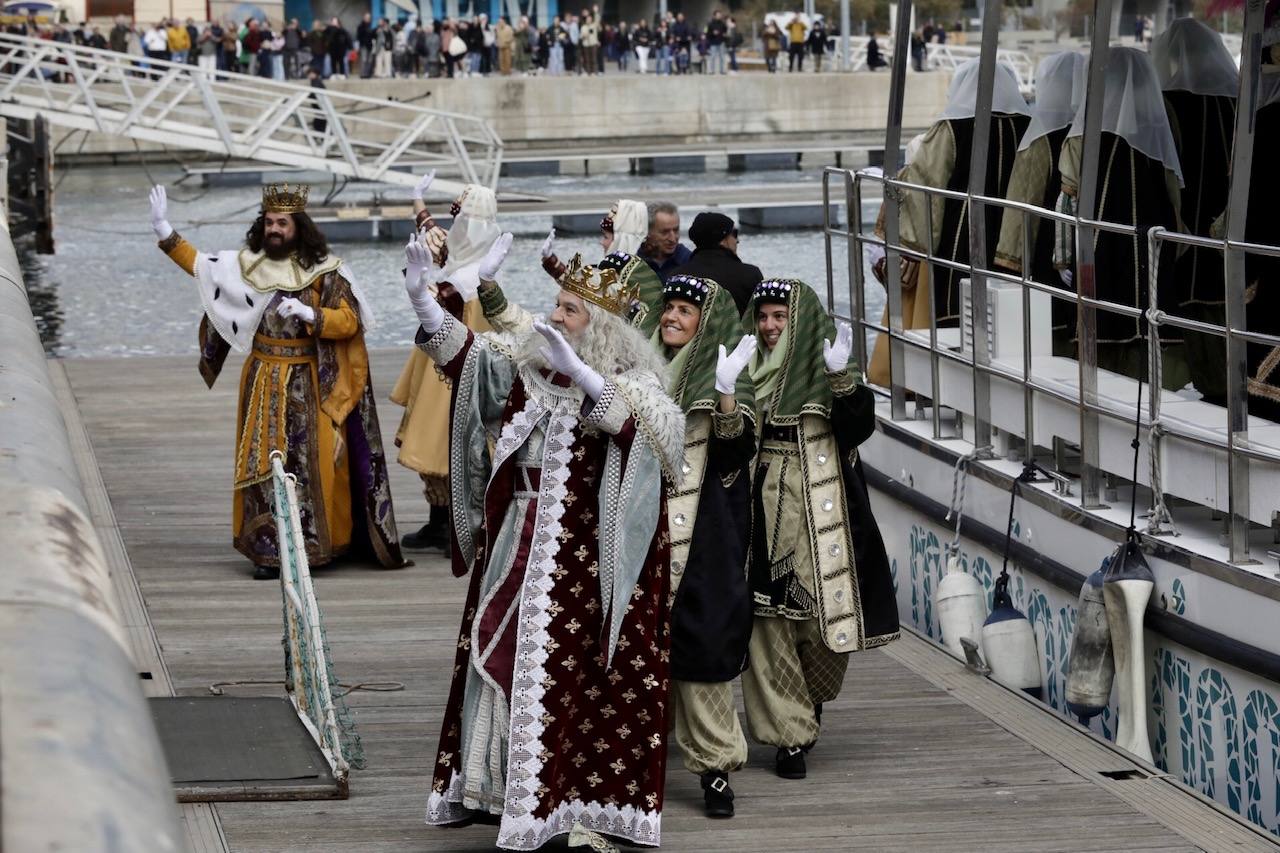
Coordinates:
(732, 432)
(179, 250)
(550, 263)
(853, 411)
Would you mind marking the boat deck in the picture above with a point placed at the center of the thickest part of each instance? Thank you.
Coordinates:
(918, 754)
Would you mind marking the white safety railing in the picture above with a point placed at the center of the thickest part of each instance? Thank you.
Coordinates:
(244, 117)
(1189, 450)
(949, 57)
(946, 57)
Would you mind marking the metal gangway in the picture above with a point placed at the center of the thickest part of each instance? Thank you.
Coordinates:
(243, 117)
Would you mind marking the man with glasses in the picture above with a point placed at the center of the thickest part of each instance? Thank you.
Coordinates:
(715, 256)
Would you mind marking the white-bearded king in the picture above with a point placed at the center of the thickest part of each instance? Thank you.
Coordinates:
(557, 717)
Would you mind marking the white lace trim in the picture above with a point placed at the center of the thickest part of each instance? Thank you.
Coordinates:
(447, 808)
(629, 822)
(520, 829)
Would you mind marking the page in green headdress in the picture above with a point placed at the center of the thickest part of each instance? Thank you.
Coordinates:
(692, 372)
(635, 271)
(792, 379)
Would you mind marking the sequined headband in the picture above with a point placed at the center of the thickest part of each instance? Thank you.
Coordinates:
(773, 290)
(687, 287)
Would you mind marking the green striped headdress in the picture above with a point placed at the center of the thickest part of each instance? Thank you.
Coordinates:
(792, 379)
(692, 381)
(635, 272)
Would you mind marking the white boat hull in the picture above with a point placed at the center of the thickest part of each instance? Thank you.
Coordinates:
(1214, 726)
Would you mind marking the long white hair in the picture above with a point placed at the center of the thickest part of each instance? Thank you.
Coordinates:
(608, 345)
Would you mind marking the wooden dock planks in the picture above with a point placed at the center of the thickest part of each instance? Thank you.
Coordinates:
(906, 761)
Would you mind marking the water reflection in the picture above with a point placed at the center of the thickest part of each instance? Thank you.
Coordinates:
(42, 294)
(110, 292)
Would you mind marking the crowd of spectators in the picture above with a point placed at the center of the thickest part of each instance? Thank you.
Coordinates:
(577, 44)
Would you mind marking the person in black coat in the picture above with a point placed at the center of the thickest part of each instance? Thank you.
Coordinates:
(715, 256)
(709, 522)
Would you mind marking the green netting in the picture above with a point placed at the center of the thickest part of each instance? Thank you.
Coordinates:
(308, 665)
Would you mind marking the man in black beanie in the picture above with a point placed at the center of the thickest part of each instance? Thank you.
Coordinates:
(715, 256)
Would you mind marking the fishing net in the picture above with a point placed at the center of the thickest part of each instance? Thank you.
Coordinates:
(309, 677)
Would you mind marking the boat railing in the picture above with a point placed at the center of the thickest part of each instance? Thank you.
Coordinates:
(1013, 395)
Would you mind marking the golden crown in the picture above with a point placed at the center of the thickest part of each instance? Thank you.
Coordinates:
(598, 285)
(283, 198)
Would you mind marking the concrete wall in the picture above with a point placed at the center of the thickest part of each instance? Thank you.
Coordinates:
(81, 762)
(533, 112)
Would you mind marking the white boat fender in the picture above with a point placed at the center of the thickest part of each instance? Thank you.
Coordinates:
(962, 606)
(1126, 589)
(1009, 643)
(1091, 669)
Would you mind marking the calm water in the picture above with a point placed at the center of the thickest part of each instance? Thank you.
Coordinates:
(110, 292)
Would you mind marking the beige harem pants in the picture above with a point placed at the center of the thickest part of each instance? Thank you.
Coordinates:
(791, 671)
(707, 728)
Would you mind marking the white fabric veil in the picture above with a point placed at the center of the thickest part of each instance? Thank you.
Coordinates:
(1189, 56)
(1134, 108)
(473, 231)
(962, 96)
(1060, 82)
(630, 227)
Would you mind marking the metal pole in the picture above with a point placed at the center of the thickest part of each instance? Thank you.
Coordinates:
(1234, 264)
(892, 211)
(846, 59)
(1086, 283)
(991, 13)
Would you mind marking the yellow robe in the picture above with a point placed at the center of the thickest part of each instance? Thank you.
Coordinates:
(261, 421)
(423, 435)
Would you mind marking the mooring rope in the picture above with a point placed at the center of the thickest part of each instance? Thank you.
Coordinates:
(368, 686)
(959, 479)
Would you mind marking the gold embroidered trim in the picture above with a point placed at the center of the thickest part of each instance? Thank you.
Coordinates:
(265, 275)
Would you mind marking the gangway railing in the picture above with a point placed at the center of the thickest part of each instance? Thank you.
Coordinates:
(238, 116)
(1188, 449)
(948, 57)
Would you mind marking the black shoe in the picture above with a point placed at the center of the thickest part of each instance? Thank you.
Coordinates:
(717, 794)
(432, 536)
(790, 762)
(266, 573)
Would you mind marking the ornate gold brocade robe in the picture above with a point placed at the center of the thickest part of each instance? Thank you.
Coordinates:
(305, 392)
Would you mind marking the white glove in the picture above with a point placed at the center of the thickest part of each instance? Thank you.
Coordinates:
(290, 307)
(418, 259)
(562, 359)
(731, 365)
(160, 212)
(424, 184)
(1067, 276)
(874, 253)
(837, 355)
(493, 259)
(549, 245)
(417, 283)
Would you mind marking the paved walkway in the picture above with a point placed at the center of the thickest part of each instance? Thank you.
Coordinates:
(917, 754)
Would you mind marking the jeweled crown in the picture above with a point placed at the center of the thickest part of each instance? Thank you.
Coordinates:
(600, 285)
(285, 198)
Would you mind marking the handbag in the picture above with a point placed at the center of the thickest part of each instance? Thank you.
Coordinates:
(457, 47)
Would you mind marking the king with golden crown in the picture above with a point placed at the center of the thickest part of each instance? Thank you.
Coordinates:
(296, 313)
(561, 525)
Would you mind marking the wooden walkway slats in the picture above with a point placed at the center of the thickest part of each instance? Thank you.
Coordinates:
(906, 761)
